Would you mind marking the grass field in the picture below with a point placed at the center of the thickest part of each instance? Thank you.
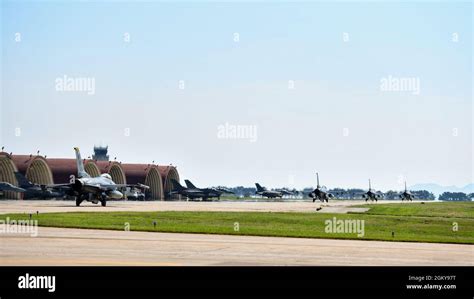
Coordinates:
(439, 209)
(429, 222)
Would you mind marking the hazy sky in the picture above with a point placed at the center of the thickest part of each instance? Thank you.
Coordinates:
(305, 77)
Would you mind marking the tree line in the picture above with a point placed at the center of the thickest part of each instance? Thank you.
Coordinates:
(355, 193)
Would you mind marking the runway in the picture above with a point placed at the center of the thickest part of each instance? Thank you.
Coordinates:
(59, 246)
(54, 206)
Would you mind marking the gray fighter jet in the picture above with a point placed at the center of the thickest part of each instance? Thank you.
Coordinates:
(94, 189)
(371, 195)
(269, 194)
(406, 195)
(209, 192)
(134, 194)
(320, 192)
(36, 190)
(192, 192)
(285, 191)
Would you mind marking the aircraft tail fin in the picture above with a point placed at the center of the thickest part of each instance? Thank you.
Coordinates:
(317, 178)
(81, 173)
(189, 184)
(176, 185)
(259, 188)
(23, 182)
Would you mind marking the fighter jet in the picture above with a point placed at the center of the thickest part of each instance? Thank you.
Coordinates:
(94, 189)
(371, 195)
(269, 194)
(224, 189)
(134, 194)
(285, 191)
(192, 192)
(320, 192)
(406, 195)
(36, 190)
(4, 186)
(212, 192)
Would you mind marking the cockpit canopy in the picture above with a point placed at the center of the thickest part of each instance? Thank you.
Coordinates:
(106, 175)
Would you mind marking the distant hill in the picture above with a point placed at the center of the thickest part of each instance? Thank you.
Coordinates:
(438, 189)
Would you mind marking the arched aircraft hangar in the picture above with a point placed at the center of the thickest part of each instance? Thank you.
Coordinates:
(148, 175)
(34, 168)
(7, 174)
(41, 170)
(167, 173)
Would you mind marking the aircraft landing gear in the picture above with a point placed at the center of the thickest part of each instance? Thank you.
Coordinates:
(78, 200)
(103, 201)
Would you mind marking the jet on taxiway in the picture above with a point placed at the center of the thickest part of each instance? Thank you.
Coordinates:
(371, 195)
(193, 192)
(406, 195)
(94, 189)
(320, 192)
(266, 193)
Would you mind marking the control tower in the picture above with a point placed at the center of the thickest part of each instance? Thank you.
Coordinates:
(100, 153)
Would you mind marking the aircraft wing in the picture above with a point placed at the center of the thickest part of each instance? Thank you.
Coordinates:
(128, 185)
(224, 190)
(11, 188)
(95, 188)
(57, 186)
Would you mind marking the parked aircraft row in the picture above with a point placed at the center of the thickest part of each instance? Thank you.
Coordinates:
(31, 190)
(101, 188)
(320, 193)
(193, 192)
